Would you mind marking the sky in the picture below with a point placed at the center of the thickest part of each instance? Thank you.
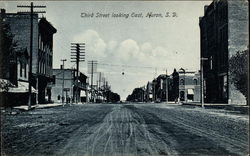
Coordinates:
(139, 47)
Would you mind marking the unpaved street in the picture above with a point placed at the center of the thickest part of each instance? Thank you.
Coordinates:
(131, 129)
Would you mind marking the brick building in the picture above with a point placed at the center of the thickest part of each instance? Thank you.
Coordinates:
(42, 56)
(223, 32)
(189, 86)
(44, 61)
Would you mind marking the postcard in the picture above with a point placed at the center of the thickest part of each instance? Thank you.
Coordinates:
(124, 78)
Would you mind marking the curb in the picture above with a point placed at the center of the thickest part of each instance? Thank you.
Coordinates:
(244, 109)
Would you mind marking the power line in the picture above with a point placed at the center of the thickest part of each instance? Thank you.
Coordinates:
(129, 66)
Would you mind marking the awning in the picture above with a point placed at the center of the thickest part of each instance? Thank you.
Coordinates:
(22, 88)
(82, 94)
(190, 91)
(5, 85)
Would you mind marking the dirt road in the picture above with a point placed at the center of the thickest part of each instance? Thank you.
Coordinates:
(131, 129)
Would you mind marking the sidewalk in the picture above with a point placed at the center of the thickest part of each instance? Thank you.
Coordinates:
(241, 108)
(25, 107)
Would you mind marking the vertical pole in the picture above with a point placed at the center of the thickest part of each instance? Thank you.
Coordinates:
(97, 96)
(77, 71)
(63, 81)
(104, 89)
(92, 81)
(166, 88)
(202, 85)
(31, 51)
(66, 98)
(99, 89)
(154, 91)
(185, 94)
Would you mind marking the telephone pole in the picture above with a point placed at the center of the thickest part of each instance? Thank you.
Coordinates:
(92, 68)
(31, 6)
(63, 60)
(202, 81)
(77, 55)
(99, 89)
(166, 86)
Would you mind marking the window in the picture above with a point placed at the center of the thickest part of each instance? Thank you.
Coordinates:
(182, 82)
(21, 69)
(195, 82)
(44, 69)
(39, 42)
(211, 62)
(41, 45)
(25, 70)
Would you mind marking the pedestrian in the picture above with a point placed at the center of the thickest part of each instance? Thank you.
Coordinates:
(68, 99)
(63, 100)
(58, 98)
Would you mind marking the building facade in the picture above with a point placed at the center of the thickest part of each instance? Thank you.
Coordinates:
(44, 61)
(66, 78)
(189, 86)
(42, 51)
(223, 32)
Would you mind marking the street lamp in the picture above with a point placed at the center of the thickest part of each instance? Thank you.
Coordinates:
(202, 82)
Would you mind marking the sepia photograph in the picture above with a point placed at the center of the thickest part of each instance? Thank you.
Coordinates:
(124, 78)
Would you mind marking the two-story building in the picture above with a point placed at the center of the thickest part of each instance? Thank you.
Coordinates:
(189, 86)
(66, 86)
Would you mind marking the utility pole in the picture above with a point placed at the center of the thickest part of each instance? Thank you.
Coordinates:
(31, 6)
(202, 82)
(77, 55)
(154, 85)
(103, 96)
(92, 68)
(106, 86)
(63, 60)
(166, 86)
(99, 89)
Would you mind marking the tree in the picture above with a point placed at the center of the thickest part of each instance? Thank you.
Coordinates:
(239, 70)
(7, 51)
